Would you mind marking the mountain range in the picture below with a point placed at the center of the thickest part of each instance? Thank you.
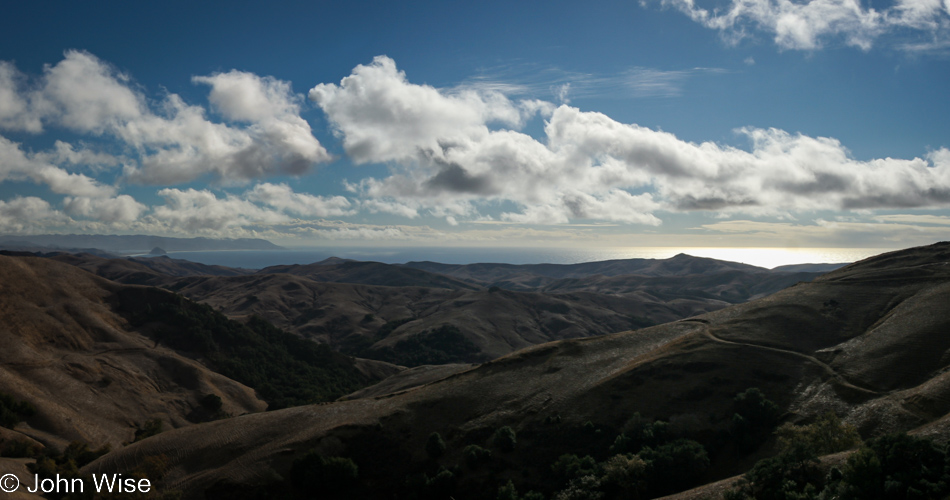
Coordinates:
(376, 310)
(538, 352)
(865, 341)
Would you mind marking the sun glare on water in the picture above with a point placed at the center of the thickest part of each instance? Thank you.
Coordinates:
(764, 257)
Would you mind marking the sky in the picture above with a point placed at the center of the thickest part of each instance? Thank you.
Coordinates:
(691, 123)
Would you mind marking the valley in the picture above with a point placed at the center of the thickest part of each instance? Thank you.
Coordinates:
(505, 371)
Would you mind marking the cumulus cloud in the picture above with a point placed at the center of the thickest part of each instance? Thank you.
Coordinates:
(382, 117)
(201, 211)
(64, 153)
(449, 162)
(85, 94)
(809, 25)
(17, 165)
(282, 197)
(15, 112)
(25, 214)
(263, 135)
(120, 209)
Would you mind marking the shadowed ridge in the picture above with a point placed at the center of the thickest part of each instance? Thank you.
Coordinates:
(154, 271)
(335, 270)
(678, 265)
(71, 355)
(937, 254)
(811, 348)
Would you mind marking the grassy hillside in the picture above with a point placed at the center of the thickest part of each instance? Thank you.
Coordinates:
(699, 397)
(89, 375)
(284, 369)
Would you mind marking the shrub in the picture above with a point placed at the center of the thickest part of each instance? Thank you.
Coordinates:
(902, 467)
(758, 411)
(211, 402)
(505, 439)
(149, 429)
(625, 476)
(316, 475)
(827, 435)
(440, 485)
(13, 411)
(435, 446)
(569, 467)
(475, 455)
(754, 418)
(675, 465)
(18, 449)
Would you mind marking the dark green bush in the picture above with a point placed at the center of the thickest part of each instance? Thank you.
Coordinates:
(505, 439)
(314, 475)
(286, 370)
(149, 429)
(211, 402)
(475, 455)
(442, 345)
(13, 411)
(435, 446)
(675, 465)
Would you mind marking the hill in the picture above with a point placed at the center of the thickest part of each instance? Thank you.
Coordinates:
(367, 320)
(154, 271)
(369, 273)
(410, 317)
(866, 341)
(97, 361)
(90, 376)
(535, 276)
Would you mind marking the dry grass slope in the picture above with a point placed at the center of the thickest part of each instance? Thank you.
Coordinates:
(866, 341)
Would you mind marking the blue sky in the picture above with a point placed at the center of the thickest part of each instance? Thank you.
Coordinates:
(653, 123)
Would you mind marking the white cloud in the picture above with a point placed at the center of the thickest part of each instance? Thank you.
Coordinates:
(85, 94)
(446, 160)
(925, 219)
(897, 232)
(15, 113)
(615, 205)
(649, 82)
(563, 86)
(809, 25)
(282, 197)
(390, 207)
(64, 153)
(17, 165)
(26, 215)
(121, 209)
(382, 117)
(176, 143)
(201, 211)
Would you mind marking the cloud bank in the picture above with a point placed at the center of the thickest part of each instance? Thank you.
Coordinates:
(811, 24)
(460, 154)
(263, 135)
(447, 158)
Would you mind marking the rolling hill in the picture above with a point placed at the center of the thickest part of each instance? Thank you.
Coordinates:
(98, 360)
(68, 351)
(398, 313)
(866, 341)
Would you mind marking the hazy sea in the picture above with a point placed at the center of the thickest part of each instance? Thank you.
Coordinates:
(763, 257)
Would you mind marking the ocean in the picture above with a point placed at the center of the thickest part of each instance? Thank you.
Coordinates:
(763, 257)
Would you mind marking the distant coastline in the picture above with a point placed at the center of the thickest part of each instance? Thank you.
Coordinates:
(253, 253)
(762, 257)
